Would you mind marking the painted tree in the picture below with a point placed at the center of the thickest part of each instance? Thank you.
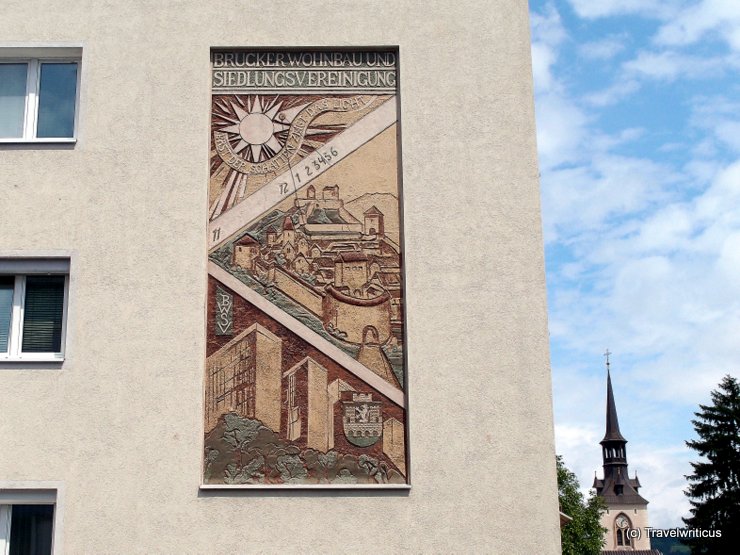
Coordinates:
(583, 535)
(714, 486)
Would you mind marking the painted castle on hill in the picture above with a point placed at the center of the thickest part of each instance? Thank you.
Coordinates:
(344, 271)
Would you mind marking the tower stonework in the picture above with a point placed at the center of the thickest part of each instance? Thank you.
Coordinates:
(626, 509)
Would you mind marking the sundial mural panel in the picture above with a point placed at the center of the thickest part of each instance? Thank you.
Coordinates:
(305, 372)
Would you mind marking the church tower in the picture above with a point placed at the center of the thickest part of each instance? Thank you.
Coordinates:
(626, 508)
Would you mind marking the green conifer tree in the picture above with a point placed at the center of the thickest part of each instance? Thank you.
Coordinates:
(714, 486)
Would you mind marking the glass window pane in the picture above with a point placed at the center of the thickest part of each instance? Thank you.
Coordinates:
(31, 529)
(6, 310)
(12, 99)
(42, 314)
(57, 94)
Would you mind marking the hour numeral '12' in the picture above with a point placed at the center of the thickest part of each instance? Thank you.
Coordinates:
(283, 188)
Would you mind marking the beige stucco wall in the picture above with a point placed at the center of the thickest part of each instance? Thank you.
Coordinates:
(119, 426)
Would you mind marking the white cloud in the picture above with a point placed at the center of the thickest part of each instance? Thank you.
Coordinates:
(543, 57)
(579, 201)
(618, 91)
(719, 18)
(548, 34)
(579, 447)
(669, 65)
(561, 130)
(661, 473)
(547, 26)
(664, 284)
(729, 133)
(603, 49)
(591, 9)
(717, 116)
(561, 125)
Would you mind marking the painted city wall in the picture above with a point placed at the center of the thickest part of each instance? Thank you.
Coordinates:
(305, 374)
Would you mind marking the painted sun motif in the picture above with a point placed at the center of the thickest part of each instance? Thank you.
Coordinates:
(258, 127)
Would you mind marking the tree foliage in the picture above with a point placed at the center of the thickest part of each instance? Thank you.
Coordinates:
(584, 535)
(714, 486)
(243, 450)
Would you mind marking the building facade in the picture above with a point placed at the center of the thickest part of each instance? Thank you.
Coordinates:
(134, 356)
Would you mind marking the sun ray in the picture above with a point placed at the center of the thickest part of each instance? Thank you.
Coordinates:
(277, 126)
(240, 113)
(267, 152)
(270, 103)
(257, 108)
(274, 144)
(273, 110)
(256, 150)
(231, 128)
(242, 144)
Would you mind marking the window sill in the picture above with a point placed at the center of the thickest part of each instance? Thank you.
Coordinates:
(68, 140)
(31, 358)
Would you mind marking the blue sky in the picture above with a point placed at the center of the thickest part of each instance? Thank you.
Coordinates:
(638, 117)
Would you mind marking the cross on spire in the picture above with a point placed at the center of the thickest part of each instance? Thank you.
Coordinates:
(606, 354)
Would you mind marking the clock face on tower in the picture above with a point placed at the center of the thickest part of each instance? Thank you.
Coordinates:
(622, 522)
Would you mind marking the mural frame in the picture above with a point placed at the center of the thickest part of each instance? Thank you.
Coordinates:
(225, 310)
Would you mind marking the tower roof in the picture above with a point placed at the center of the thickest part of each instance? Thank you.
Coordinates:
(373, 210)
(612, 422)
(617, 488)
(246, 240)
(353, 256)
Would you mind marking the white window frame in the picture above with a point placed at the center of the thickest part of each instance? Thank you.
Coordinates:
(34, 57)
(15, 495)
(20, 269)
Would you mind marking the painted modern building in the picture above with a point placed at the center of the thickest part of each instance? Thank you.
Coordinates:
(272, 279)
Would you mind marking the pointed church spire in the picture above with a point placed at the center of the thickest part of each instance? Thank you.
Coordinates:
(619, 492)
(614, 445)
(612, 422)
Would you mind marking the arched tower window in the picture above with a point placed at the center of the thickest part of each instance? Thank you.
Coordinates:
(622, 525)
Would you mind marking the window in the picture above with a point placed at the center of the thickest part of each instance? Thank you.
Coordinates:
(38, 95)
(622, 525)
(27, 521)
(33, 306)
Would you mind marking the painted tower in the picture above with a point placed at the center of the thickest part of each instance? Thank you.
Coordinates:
(626, 508)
